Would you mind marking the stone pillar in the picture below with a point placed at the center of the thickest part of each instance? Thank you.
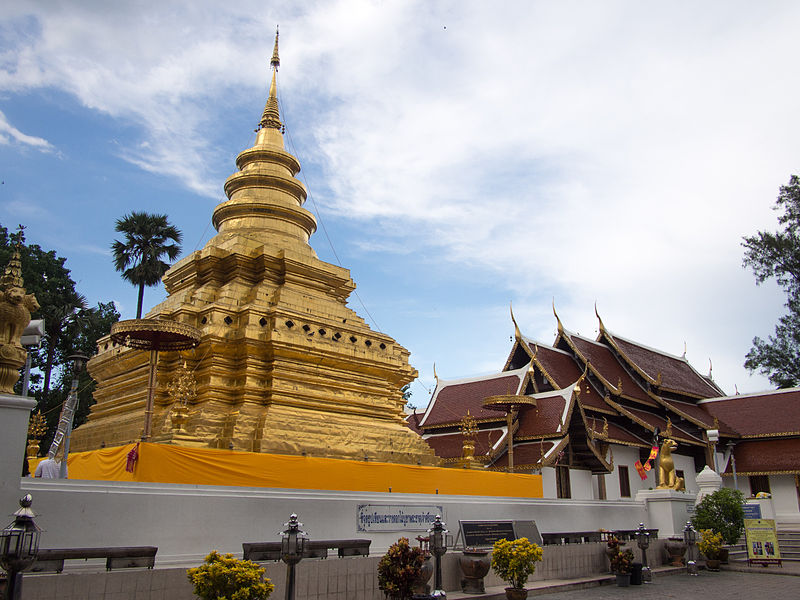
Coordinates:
(667, 510)
(708, 482)
(15, 411)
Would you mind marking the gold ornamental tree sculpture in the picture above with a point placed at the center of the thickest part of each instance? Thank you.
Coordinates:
(283, 364)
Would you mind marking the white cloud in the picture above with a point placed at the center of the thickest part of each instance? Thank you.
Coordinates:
(592, 151)
(9, 133)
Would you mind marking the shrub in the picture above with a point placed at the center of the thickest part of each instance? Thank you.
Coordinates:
(223, 577)
(514, 561)
(710, 543)
(722, 513)
(622, 562)
(399, 568)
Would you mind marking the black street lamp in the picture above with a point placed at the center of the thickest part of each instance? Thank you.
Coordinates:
(690, 537)
(643, 541)
(438, 547)
(19, 546)
(293, 545)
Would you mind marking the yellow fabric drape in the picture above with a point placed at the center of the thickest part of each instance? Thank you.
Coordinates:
(162, 463)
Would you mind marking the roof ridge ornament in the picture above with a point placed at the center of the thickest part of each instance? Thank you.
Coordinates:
(560, 325)
(517, 332)
(597, 314)
(684, 350)
(710, 369)
(435, 376)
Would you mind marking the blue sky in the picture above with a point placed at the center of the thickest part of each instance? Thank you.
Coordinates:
(461, 155)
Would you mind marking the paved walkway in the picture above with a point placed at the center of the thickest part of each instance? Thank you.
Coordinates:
(723, 585)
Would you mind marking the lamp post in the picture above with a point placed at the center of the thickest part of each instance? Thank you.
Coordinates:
(438, 548)
(293, 545)
(19, 546)
(78, 365)
(690, 537)
(643, 541)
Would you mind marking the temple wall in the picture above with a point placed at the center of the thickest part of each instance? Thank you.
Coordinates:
(187, 521)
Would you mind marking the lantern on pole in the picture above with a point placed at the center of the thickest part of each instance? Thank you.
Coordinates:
(293, 545)
(19, 547)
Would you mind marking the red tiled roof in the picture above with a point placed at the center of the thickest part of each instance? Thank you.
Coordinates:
(657, 421)
(526, 454)
(762, 415)
(451, 400)
(544, 418)
(615, 433)
(676, 373)
(412, 421)
(561, 366)
(699, 414)
(450, 445)
(766, 456)
(602, 359)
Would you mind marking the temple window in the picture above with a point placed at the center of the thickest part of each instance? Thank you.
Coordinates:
(624, 482)
(562, 482)
(759, 483)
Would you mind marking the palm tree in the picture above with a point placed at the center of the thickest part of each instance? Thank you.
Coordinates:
(147, 240)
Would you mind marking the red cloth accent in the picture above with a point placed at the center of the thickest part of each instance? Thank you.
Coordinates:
(653, 453)
(133, 456)
(640, 470)
(647, 466)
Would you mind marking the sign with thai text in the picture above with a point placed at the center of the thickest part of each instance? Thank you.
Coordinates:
(397, 517)
(483, 534)
(762, 541)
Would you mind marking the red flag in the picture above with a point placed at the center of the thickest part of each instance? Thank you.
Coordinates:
(653, 453)
(647, 466)
(133, 456)
(640, 470)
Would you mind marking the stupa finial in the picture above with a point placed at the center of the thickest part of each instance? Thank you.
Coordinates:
(271, 117)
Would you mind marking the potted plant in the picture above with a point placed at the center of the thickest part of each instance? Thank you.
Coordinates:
(710, 545)
(622, 565)
(399, 570)
(513, 561)
(223, 576)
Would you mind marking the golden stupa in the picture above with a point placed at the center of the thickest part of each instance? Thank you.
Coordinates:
(283, 365)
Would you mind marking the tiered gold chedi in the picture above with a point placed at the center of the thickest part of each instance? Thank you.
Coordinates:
(283, 365)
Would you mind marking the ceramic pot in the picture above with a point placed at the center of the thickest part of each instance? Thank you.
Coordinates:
(675, 548)
(723, 556)
(712, 564)
(421, 583)
(623, 579)
(474, 566)
(516, 593)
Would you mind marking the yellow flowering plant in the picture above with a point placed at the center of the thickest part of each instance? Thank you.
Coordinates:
(513, 561)
(223, 577)
(710, 543)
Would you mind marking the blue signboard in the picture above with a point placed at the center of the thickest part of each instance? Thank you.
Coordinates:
(752, 511)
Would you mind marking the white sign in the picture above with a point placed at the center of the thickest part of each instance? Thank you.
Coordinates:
(397, 517)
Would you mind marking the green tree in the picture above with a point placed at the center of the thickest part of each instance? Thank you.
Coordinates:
(721, 512)
(148, 238)
(777, 255)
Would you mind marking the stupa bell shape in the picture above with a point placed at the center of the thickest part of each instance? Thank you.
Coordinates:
(283, 365)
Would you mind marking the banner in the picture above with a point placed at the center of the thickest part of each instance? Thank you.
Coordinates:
(653, 453)
(762, 541)
(640, 469)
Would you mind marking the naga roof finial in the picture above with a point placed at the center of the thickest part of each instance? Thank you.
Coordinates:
(517, 332)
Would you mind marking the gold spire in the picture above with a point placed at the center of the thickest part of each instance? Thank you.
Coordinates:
(271, 117)
(12, 274)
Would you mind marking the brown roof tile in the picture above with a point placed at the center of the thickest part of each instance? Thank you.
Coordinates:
(676, 373)
(543, 419)
(526, 454)
(602, 359)
(451, 400)
(766, 456)
(766, 414)
(616, 433)
(450, 445)
(658, 421)
(698, 413)
(564, 370)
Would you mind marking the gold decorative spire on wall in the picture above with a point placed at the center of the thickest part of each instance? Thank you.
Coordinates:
(271, 117)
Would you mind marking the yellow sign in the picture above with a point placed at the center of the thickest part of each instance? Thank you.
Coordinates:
(762, 541)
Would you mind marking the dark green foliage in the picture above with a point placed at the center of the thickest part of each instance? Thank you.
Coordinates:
(70, 327)
(721, 512)
(147, 240)
(778, 255)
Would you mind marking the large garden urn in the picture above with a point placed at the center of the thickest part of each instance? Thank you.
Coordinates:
(474, 566)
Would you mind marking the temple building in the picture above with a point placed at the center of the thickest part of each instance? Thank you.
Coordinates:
(586, 413)
(283, 365)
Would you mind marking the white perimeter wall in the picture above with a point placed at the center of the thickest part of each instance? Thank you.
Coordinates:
(186, 522)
